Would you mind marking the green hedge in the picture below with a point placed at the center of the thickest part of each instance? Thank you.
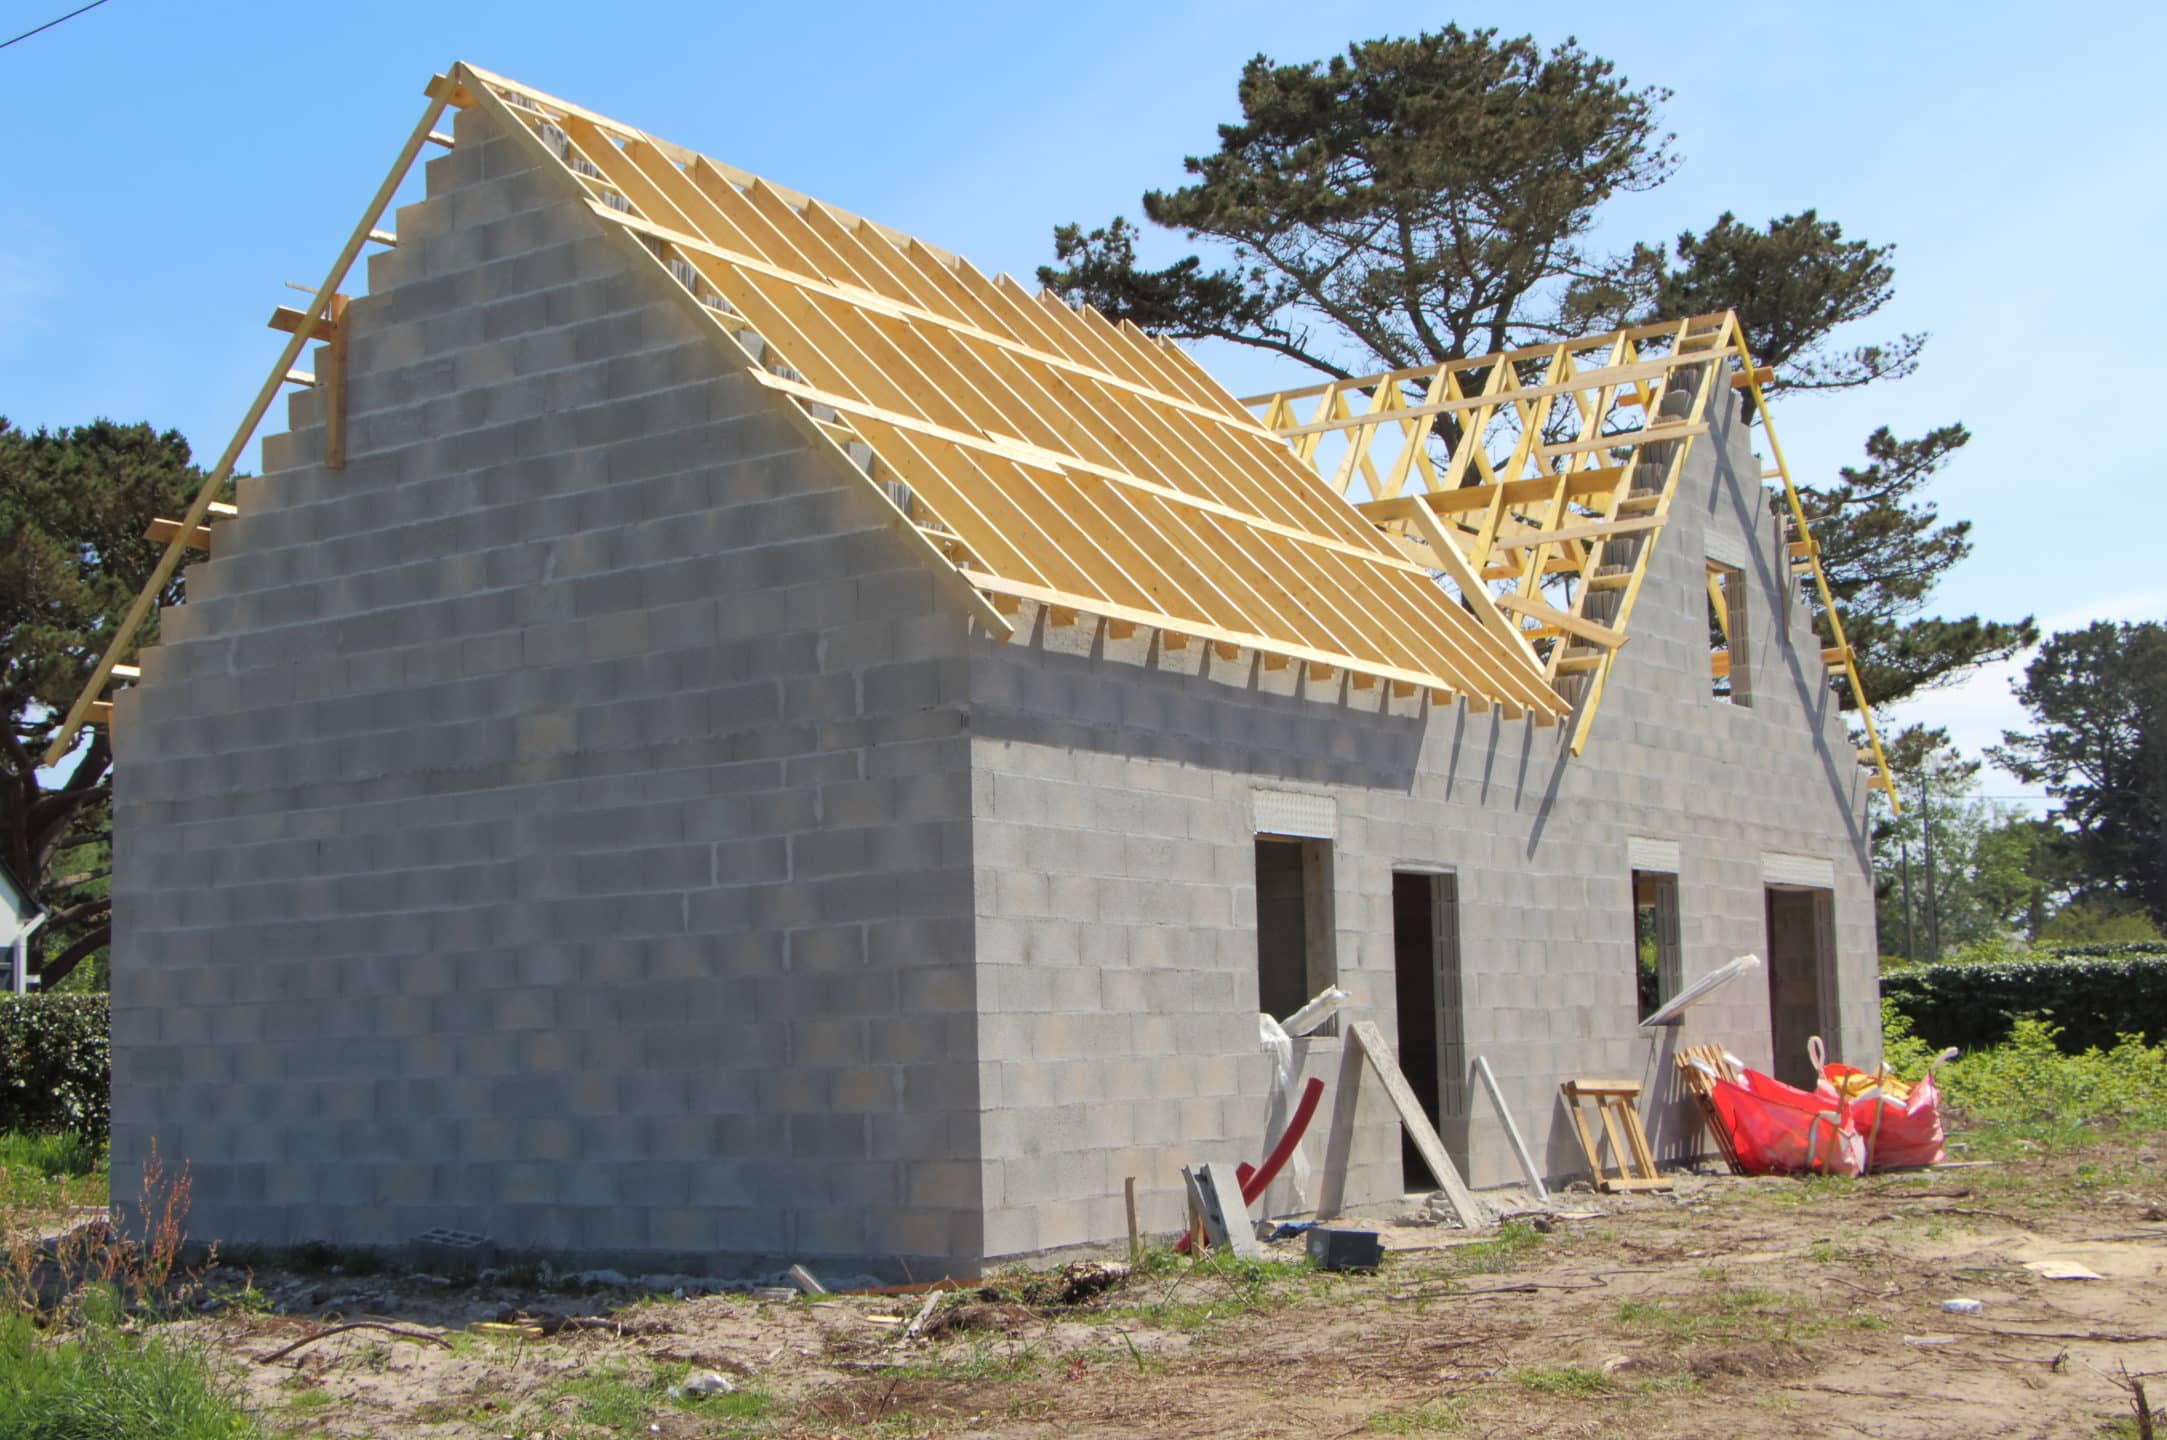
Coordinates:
(56, 1064)
(2107, 950)
(2094, 1000)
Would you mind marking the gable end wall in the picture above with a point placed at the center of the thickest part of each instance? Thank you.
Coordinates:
(554, 826)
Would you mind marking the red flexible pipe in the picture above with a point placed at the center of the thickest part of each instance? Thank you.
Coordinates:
(1254, 1178)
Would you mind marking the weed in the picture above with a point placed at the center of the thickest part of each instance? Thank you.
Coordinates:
(1666, 1385)
(1515, 1244)
(1432, 1417)
(979, 1361)
(614, 1398)
(1564, 1380)
(1749, 1313)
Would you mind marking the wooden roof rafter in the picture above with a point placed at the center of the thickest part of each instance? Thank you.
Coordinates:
(1043, 452)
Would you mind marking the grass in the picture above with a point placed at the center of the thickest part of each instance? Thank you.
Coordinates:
(976, 1361)
(1515, 1245)
(102, 1384)
(1744, 1313)
(82, 1356)
(615, 1398)
(1567, 1381)
(49, 1173)
(1433, 1417)
(1197, 1295)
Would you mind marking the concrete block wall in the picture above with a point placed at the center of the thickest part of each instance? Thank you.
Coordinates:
(583, 821)
(1113, 784)
(557, 824)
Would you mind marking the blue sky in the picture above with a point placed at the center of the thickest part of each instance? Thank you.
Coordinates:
(174, 164)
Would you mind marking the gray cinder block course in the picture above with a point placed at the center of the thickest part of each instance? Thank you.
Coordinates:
(582, 822)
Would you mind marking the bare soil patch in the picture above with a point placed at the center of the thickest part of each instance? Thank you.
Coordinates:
(1744, 1308)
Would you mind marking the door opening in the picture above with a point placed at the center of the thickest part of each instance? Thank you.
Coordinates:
(1432, 1040)
(1801, 978)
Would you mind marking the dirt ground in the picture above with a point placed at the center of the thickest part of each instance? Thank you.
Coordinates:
(1733, 1307)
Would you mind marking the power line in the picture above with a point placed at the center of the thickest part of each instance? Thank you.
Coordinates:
(94, 4)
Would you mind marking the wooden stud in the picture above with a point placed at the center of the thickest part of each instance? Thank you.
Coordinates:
(334, 385)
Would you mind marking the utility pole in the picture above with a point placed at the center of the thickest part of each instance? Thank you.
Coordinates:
(1933, 899)
(1911, 954)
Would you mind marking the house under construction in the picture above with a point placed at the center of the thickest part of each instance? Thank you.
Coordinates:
(721, 733)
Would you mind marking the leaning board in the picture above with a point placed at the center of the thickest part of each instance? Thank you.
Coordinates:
(1472, 1212)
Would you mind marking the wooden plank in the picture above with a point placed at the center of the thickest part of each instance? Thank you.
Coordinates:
(1464, 498)
(1621, 1155)
(334, 381)
(1587, 1141)
(1512, 1132)
(1594, 528)
(295, 322)
(1136, 1233)
(1472, 1212)
(1471, 588)
(1571, 624)
(197, 537)
(1652, 435)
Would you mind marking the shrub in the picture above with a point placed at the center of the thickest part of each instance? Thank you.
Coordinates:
(56, 1064)
(2028, 1084)
(2092, 1001)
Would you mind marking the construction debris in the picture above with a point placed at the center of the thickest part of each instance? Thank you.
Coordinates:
(1226, 1219)
(803, 1279)
(1333, 1249)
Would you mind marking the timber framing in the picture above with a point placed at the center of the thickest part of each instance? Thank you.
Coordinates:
(1537, 481)
(1031, 450)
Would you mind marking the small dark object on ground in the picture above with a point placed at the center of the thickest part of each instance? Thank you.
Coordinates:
(1345, 1249)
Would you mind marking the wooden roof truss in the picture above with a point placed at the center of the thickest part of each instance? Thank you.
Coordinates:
(1534, 483)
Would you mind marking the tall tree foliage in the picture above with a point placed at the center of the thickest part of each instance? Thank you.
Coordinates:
(1994, 872)
(1431, 198)
(76, 502)
(1414, 199)
(2098, 701)
(1884, 547)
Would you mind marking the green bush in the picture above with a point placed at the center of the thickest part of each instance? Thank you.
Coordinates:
(56, 1064)
(2029, 1085)
(2106, 950)
(100, 1383)
(2092, 1001)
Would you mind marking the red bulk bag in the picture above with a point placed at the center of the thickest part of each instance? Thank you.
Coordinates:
(1778, 1129)
(1910, 1130)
